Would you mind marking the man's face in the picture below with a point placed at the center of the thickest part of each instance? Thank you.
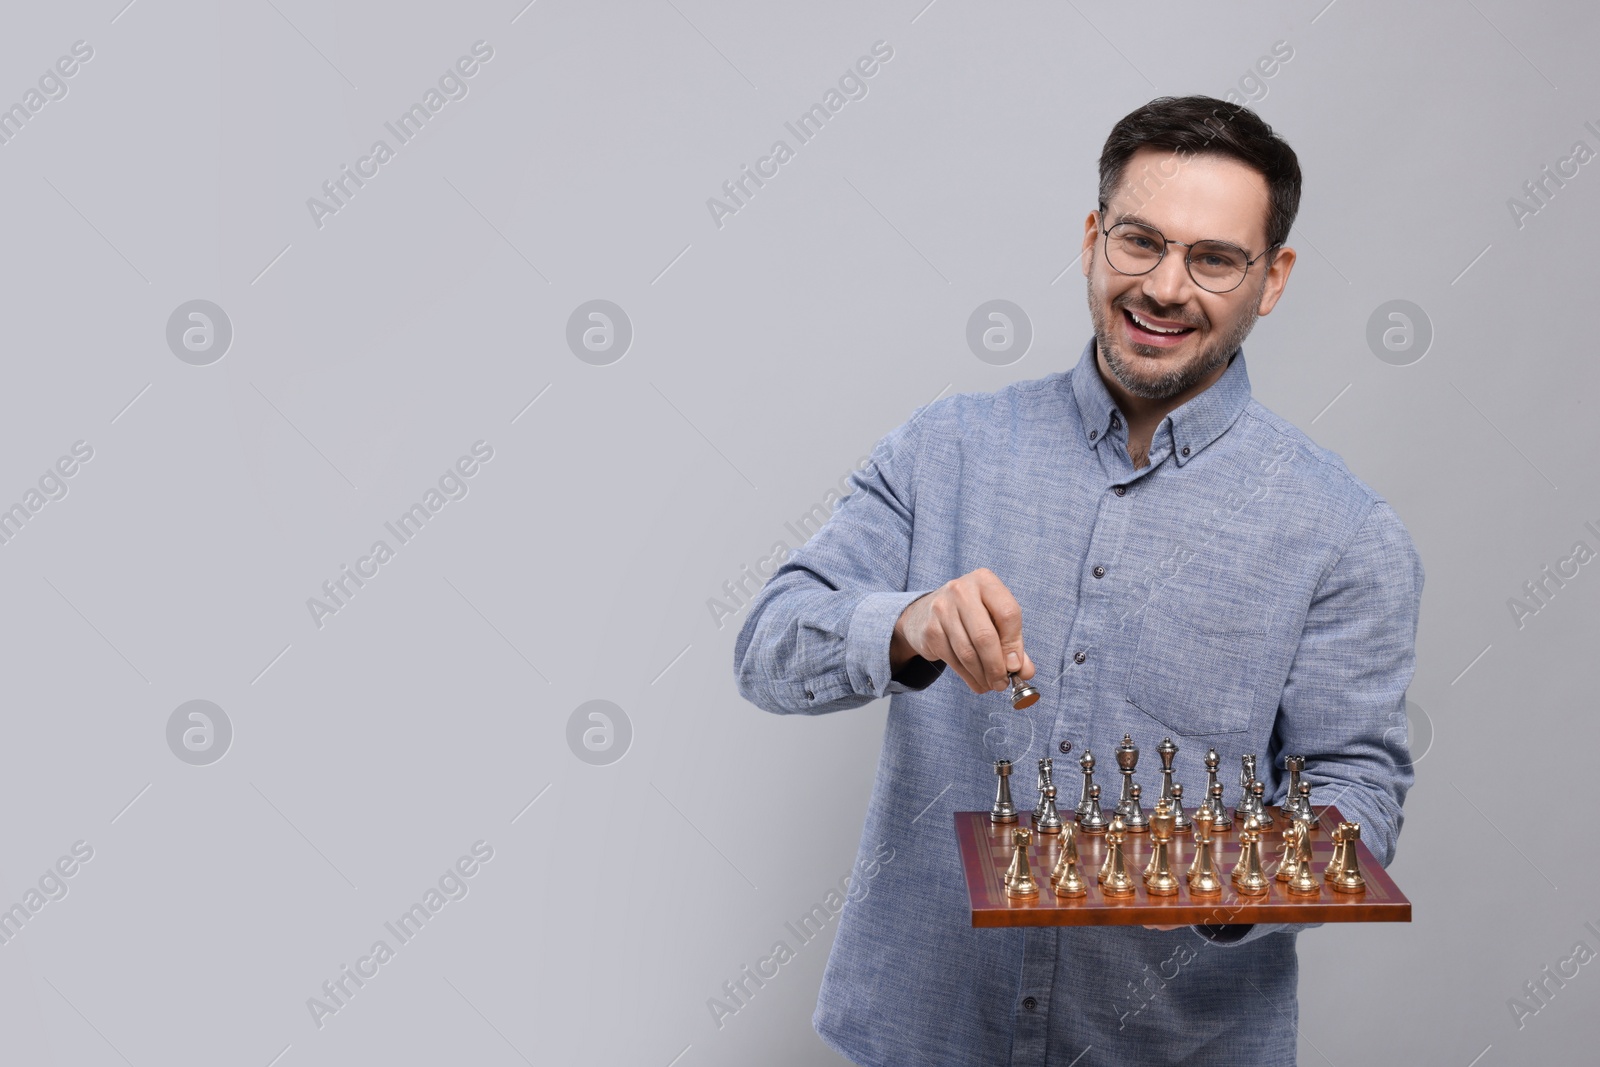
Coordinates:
(1188, 198)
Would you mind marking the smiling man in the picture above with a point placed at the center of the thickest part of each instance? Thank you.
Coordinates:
(1162, 556)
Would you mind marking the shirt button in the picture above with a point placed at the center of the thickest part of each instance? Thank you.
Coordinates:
(1119, 490)
(1029, 1003)
(870, 683)
(1066, 746)
(1099, 572)
(1116, 423)
(1093, 434)
(1186, 450)
(810, 695)
(1079, 656)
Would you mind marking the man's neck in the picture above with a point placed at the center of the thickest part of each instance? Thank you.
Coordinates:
(1144, 414)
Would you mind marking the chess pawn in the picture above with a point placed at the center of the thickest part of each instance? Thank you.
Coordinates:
(1019, 879)
(1134, 818)
(1158, 877)
(1257, 807)
(1166, 750)
(1303, 804)
(1181, 823)
(1094, 821)
(1221, 821)
(1045, 778)
(1127, 760)
(1202, 874)
(1346, 876)
(1049, 818)
(1303, 881)
(1003, 811)
(1066, 879)
(1086, 762)
(1115, 881)
(1289, 860)
(1248, 877)
(1213, 761)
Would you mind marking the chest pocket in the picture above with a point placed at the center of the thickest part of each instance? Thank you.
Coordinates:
(1195, 675)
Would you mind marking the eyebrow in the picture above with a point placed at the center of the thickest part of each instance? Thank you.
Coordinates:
(1128, 216)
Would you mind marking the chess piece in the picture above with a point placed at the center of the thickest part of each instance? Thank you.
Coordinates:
(1248, 877)
(1346, 876)
(1050, 819)
(1046, 777)
(1303, 804)
(1247, 774)
(1115, 881)
(1202, 874)
(1094, 821)
(1211, 799)
(1289, 858)
(1166, 750)
(1221, 821)
(1291, 805)
(1181, 823)
(1019, 879)
(1158, 877)
(1258, 808)
(1003, 810)
(1066, 879)
(1136, 821)
(1303, 880)
(1086, 762)
(1127, 760)
(1023, 695)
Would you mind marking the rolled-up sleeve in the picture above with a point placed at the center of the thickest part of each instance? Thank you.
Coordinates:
(817, 635)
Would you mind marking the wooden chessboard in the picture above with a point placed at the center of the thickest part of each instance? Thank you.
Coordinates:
(986, 853)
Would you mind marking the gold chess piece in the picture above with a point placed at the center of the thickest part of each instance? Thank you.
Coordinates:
(1289, 859)
(1303, 880)
(1158, 877)
(1114, 826)
(1203, 871)
(1065, 879)
(1019, 879)
(1248, 877)
(1344, 870)
(1115, 880)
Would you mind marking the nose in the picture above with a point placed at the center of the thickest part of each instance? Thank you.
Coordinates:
(1169, 285)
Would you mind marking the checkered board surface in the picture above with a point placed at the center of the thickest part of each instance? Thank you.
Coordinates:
(986, 853)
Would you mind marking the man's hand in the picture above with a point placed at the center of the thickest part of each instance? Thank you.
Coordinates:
(973, 624)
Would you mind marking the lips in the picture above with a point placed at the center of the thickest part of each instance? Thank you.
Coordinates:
(1160, 333)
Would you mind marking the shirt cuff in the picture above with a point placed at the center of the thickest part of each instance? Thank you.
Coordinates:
(866, 657)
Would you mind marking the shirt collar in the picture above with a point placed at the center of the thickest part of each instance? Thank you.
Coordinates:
(1193, 424)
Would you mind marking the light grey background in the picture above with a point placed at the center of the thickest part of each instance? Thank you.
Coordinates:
(768, 356)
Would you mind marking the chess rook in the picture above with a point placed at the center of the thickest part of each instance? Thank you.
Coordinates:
(1003, 811)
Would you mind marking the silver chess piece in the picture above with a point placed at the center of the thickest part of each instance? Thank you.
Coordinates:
(1049, 819)
(1023, 695)
(1003, 810)
(1094, 820)
(1086, 761)
(1221, 821)
(1211, 799)
(1166, 750)
(1134, 819)
(1046, 767)
(1291, 805)
(1127, 760)
(1258, 807)
(1181, 823)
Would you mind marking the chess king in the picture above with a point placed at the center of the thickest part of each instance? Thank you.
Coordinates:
(1159, 555)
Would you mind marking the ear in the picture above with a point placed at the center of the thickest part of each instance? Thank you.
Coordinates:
(1091, 234)
(1277, 278)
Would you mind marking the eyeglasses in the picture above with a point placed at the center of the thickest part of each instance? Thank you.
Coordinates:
(1216, 266)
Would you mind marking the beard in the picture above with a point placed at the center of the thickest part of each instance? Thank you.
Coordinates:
(1178, 379)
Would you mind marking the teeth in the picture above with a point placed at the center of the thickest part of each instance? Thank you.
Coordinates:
(1153, 328)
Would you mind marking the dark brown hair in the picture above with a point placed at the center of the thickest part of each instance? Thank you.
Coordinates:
(1204, 124)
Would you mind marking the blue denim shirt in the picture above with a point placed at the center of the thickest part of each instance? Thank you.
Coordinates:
(1243, 592)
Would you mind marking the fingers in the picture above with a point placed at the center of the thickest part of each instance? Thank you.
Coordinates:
(1006, 615)
(974, 625)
